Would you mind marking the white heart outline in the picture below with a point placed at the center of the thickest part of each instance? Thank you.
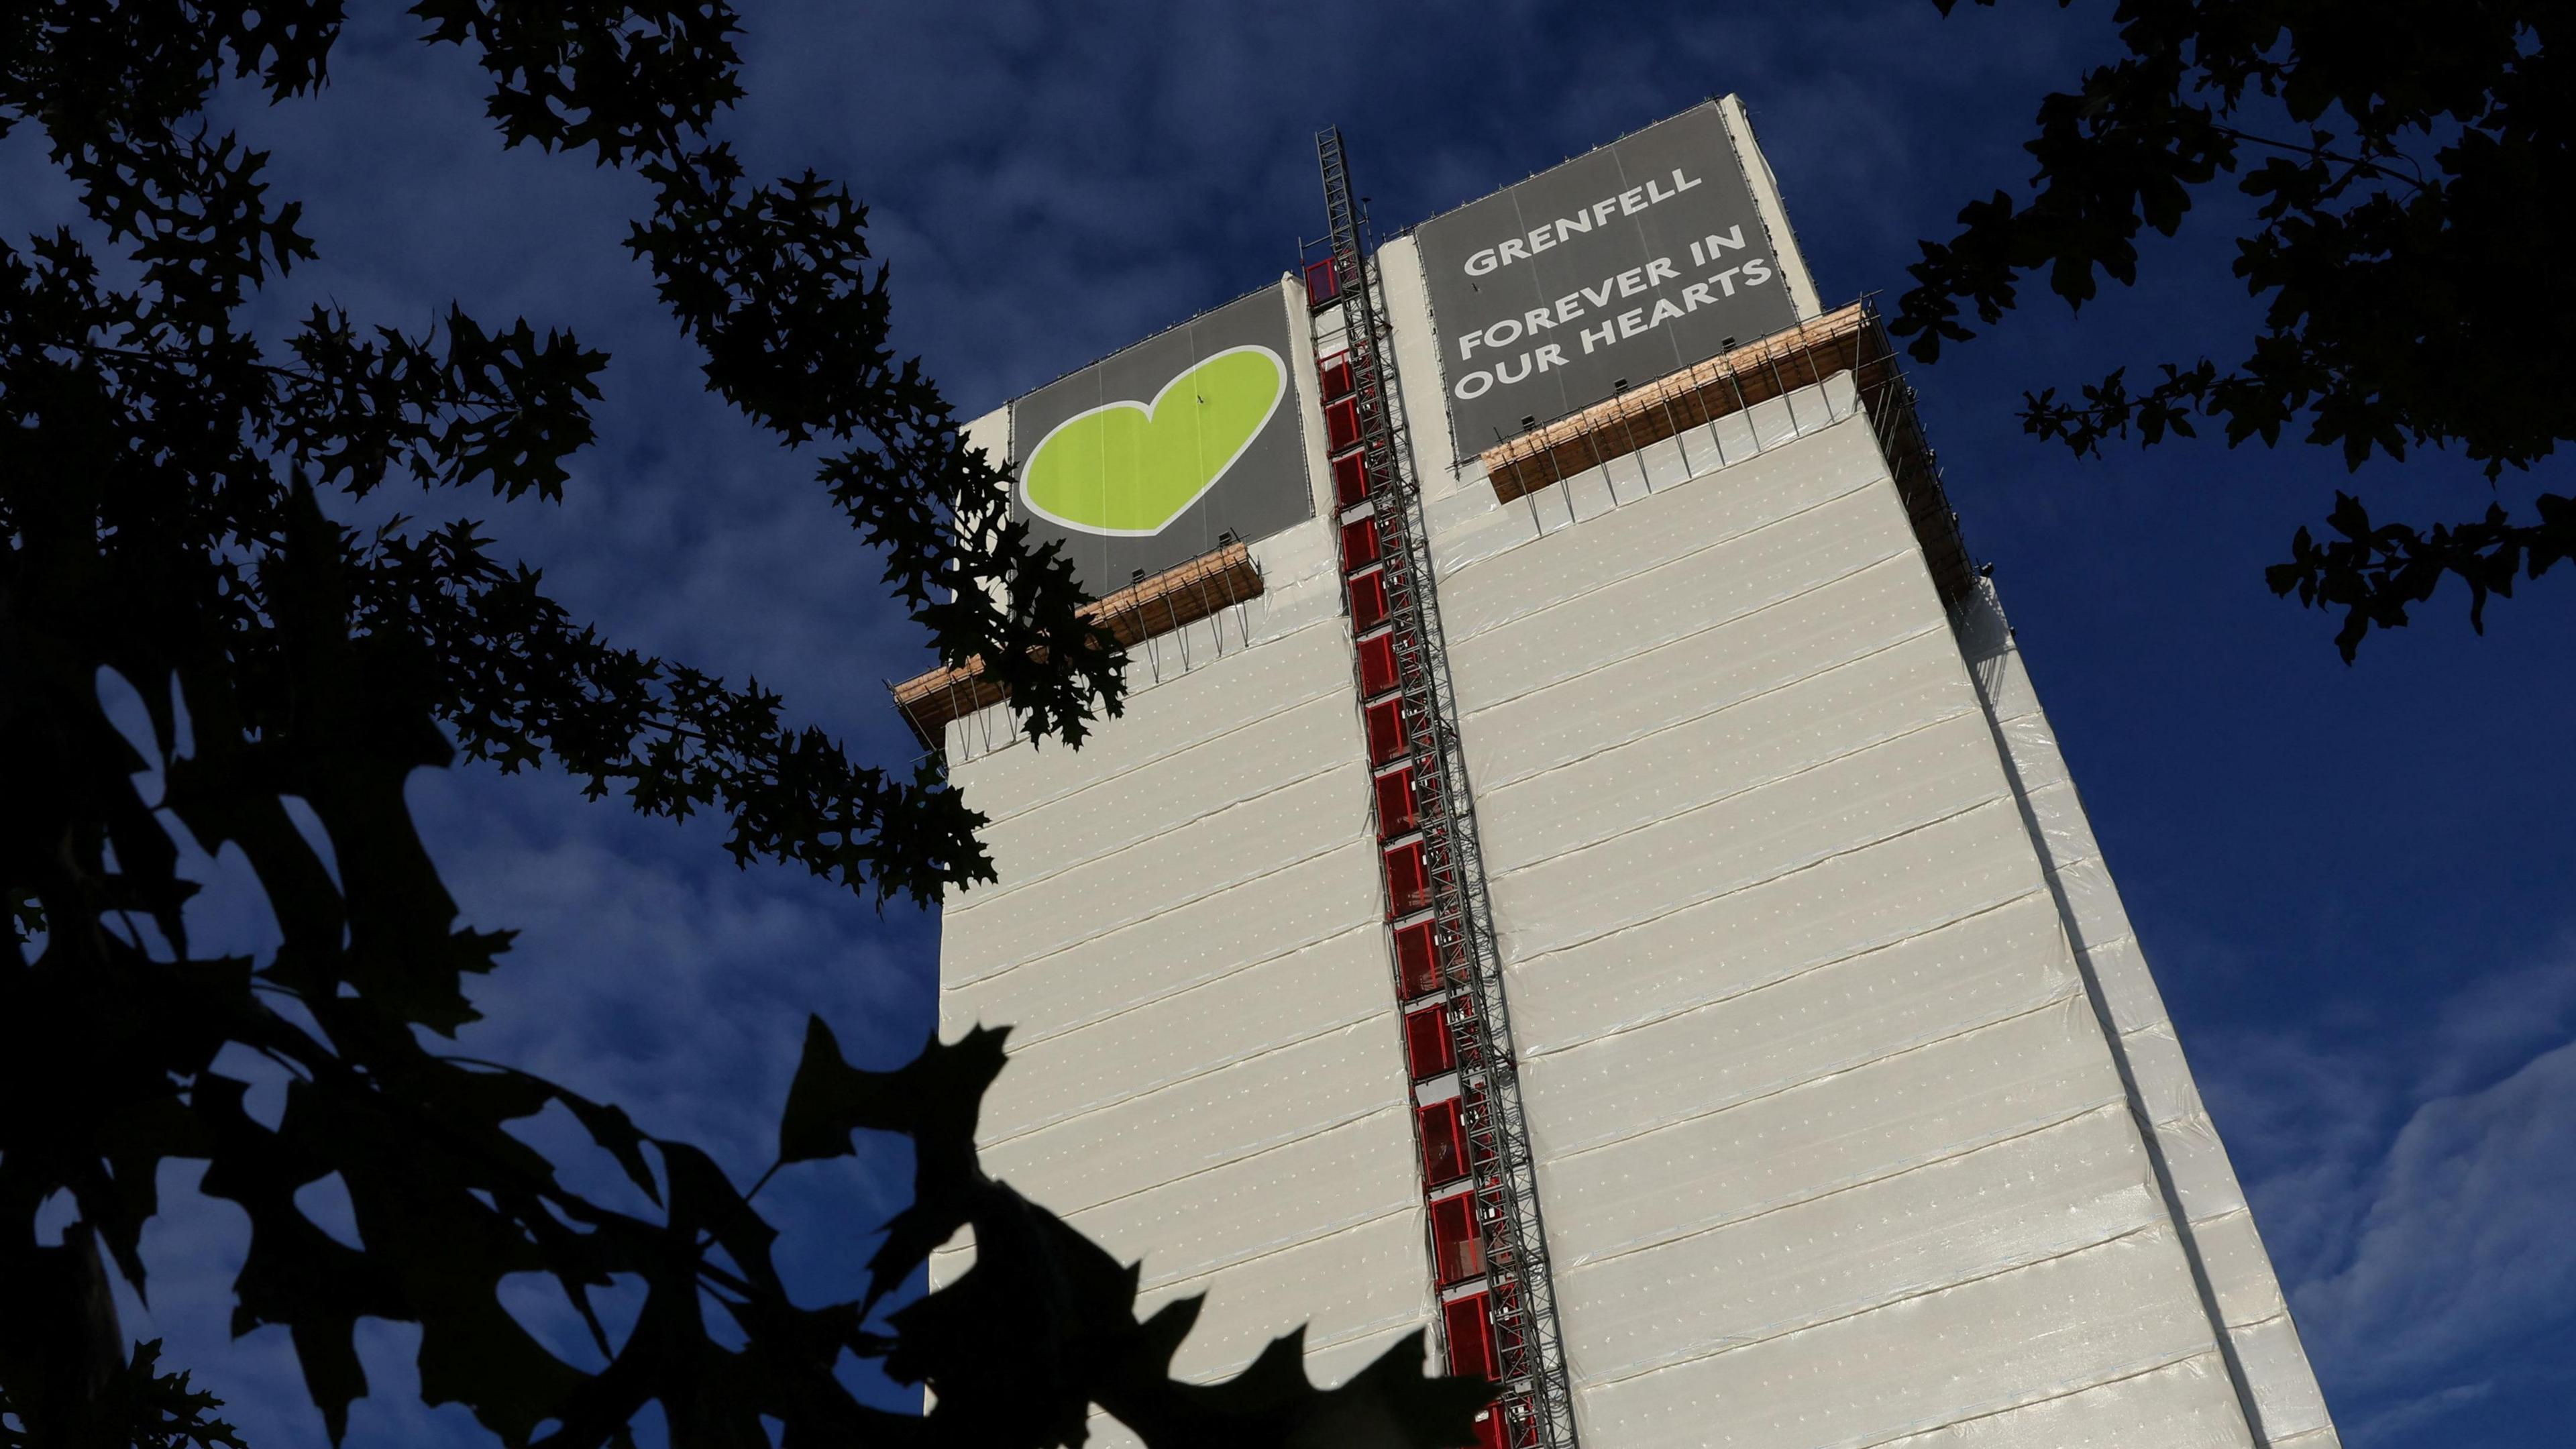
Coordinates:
(1277, 363)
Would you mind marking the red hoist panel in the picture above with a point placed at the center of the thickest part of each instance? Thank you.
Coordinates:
(1377, 671)
(1322, 285)
(1359, 544)
(1397, 811)
(1427, 1049)
(1444, 1142)
(1417, 961)
(1471, 1335)
(1342, 424)
(1457, 1247)
(1334, 373)
(1408, 884)
(1350, 479)
(1368, 600)
(1386, 731)
(1486, 1260)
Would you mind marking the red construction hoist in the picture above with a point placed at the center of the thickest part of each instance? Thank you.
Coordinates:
(1488, 1256)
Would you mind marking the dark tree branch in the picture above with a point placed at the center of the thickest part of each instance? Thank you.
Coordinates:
(2404, 309)
(163, 516)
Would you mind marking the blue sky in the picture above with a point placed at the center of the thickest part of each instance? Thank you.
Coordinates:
(2352, 882)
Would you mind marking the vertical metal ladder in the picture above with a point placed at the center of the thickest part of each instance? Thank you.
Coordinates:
(1534, 1405)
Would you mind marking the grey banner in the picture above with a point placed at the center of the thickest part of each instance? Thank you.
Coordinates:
(1625, 263)
(1143, 475)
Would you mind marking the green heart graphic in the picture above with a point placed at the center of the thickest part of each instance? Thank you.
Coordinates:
(1127, 468)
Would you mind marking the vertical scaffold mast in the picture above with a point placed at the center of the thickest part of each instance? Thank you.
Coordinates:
(1534, 1407)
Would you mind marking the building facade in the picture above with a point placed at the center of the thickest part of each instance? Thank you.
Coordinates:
(1583, 868)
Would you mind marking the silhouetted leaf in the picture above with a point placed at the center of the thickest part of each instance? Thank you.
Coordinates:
(2406, 160)
(167, 501)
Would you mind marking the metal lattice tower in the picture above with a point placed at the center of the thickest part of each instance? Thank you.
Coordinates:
(1534, 1399)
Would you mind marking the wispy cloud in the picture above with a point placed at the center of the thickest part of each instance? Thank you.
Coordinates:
(2413, 1181)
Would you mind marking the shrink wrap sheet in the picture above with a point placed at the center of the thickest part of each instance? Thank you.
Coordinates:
(1809, 1050)
(1350, 1290)
(1208, 1121)
(1468, 525)
(1761, 741)
(1859, 900)
(2060, 821)
(1835, 623)
(1325, 1367)
(2020, 1201)
(2286, 1398)
(2186, 1405)
(1263, 1007)
(2234, 1275)
(1713, 513)
(1211, 937)
(2165, 1088)
(1165, 659)
(2239, 1269)
(2093, 912)
(1982, 970)
(1215, 700)
(1710, 587)
(2128, 991)
(2203, 1179)
(1915, 780)
(1295, 744)
(2032, 1071)
(1316, 1185)
(1292, 823)
(1206, 1072)
(2023, 1336)
(1858, 1117)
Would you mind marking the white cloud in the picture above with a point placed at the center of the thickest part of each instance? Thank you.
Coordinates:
(2413, 1181)
(2465, 1238)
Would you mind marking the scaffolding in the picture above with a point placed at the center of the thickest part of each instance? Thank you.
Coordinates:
(1499, 1320)
(1850, 340)
(1144, 611)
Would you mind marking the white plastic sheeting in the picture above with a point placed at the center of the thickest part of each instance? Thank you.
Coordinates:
(1296, 744)
(2184, 1405)
(1206, 940)
(1220, 1117)
(1708, 515)
(1663, 865)
(1468, 528)
(1352, 1289)
(1260, 1008)
(1206, 1070)
(1851, 1127)
(1440, 465)
(1830, 1019)
(1328, 1367)
(1316, 1185)
(1608, 621)
(1698, 674)
(1833, 1147)
(1984, 1346)
(1871, 897)
(1810, 951)
(2019, 1201)
(1300, 589)
(1293, 822)
(2234, 1271)
(1768, 738)
(1163, 722)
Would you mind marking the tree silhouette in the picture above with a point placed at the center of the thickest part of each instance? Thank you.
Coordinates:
(2406, 160)
(163, 494)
